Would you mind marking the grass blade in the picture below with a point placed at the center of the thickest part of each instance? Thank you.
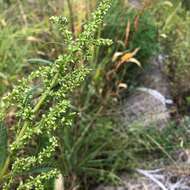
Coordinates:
(3, 144)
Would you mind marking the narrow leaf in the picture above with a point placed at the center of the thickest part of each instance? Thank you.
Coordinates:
(39, 61)
(128, 29)
(3, 144)
(133, 60)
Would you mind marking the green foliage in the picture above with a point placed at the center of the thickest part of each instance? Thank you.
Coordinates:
(186, 4)
(21, 42)
(148, 147)
(175, 39)
(15, 49)
(145, 37)
(38, 182)
(43, 111)
(167, 140)
(86, 153)
(11, 57)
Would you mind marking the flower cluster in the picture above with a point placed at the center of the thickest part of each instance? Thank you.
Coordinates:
(38, 182)
(44, 107)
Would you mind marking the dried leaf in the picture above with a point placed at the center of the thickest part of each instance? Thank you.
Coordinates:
(128, 29)
(163, 36)
(126, 57)
(136, 23)
(110, 74)
(32, 39)
(122, 85)
(116, 56)
(133, 60)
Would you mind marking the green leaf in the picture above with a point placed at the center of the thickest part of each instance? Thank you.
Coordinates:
(39, 61)
(3, 144)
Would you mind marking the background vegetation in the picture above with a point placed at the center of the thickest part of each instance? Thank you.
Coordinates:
(93, 148)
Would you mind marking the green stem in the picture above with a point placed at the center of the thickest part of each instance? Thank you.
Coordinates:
(5, 167)
(37, 107)
(44, 96)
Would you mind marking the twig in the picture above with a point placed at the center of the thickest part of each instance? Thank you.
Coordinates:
(71, 17)
(150, 176)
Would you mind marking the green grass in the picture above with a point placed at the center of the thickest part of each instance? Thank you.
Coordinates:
(96, 148)
(175, 40)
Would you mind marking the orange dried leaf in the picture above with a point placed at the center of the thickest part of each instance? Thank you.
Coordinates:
(126, 58)
(133, 60)
(129, 55)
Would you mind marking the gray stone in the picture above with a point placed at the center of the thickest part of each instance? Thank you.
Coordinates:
(148, 104)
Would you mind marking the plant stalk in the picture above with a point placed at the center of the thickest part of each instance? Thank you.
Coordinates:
(71, 17)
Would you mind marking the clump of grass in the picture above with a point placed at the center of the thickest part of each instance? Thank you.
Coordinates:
(11, 57)
(175, 40)
(25, 34)
(143, 30)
